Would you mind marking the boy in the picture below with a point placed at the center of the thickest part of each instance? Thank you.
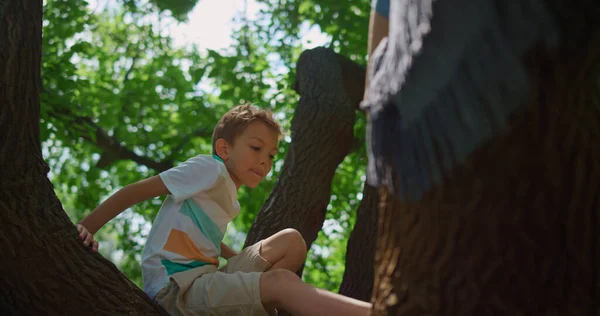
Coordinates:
(179, 263)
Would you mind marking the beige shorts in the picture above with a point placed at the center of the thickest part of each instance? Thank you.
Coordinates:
(232, 290)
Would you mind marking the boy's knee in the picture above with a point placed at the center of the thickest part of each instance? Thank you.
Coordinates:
(278, 277)
(272, 283)
(295, 240)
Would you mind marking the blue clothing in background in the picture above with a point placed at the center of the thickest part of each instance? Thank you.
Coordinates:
(382, 7)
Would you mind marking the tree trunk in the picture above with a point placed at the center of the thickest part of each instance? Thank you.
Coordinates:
(331, 88)
(45, 268)
(322, 135)
(360, 253)
(514, 230)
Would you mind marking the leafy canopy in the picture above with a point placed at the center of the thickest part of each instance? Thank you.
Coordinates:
(121, 102)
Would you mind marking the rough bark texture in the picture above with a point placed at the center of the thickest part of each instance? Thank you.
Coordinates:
(514, 230)
(44, 268)
(322, 135)
(360, 253)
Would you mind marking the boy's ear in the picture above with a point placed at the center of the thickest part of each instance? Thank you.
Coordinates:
(221, 148)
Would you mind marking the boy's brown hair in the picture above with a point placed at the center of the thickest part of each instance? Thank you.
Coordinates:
(235, 121)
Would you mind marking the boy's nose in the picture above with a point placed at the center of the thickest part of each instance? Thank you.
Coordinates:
(264, 164)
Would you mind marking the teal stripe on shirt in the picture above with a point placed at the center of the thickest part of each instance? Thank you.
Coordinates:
(218, 158)
(206, 225)
(174, 267)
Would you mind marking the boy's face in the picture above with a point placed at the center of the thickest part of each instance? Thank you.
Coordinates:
(251, 156)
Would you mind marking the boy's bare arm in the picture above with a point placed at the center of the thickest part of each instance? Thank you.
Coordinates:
(378, 29)
(227, 252)
(124, 198)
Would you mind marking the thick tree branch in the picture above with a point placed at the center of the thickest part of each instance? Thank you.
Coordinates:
(353, 76)
(513, 229)
(44, 268)
(360, 254)
(322, 135)
(111, 148)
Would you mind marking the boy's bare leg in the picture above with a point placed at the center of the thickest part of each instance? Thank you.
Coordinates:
(283, 289)
(285, 250)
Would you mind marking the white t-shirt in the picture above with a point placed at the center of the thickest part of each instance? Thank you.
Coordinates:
(189, 227)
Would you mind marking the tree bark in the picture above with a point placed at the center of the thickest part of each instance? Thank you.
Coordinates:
(44, 267)
(360, 250)
(514, 230)
(322, 135)
(360, 254)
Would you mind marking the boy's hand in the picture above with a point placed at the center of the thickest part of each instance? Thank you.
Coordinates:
(87, 237)
(227, 252)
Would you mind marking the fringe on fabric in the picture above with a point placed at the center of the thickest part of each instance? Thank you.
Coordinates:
(444, 82)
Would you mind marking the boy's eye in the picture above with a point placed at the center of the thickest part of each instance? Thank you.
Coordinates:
(272, 156)
(255, 148)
